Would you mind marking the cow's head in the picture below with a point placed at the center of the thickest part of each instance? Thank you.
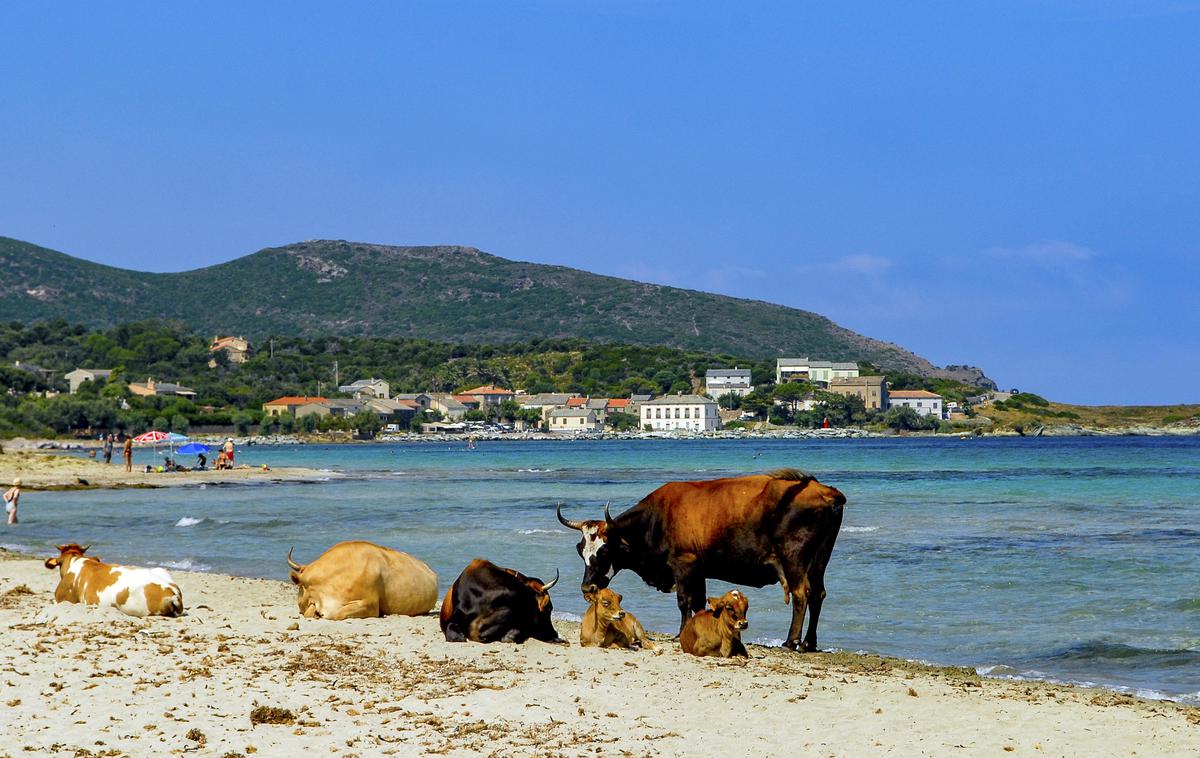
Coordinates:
(730, 609)
(303, 599)
(543, 628)
(65, 554)
(608, 606)
(599, 547)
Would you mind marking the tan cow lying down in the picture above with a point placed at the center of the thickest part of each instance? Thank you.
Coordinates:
(607, 624)
(135, 591)
(363, 580)
(717, 632)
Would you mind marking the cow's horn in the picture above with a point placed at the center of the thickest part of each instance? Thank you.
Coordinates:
(295, 566)
(85, 548)
(554, 581)
(608, 519)
(576, 525)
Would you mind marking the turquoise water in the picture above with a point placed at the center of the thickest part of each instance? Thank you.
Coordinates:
(1071, 559)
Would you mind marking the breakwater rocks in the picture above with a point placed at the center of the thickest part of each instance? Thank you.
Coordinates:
(1077, 430)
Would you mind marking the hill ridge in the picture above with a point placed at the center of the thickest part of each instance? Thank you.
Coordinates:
(456, 293)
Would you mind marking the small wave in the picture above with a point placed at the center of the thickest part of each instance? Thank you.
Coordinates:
(534, 470)
(189, 521)
(564, 616)
(1186, 604)
(539, 531)
(187, 564)
(1117, 652)
(767, 641)
(860, 528)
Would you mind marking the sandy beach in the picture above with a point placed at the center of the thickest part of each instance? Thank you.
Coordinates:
(241, 673)
(45, 471)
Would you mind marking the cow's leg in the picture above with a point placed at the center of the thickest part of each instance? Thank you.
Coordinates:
(691, 596)
(497, 625)
(454, 633)
(356, 609)
(799, 604)
(775, 563)
(817, 594)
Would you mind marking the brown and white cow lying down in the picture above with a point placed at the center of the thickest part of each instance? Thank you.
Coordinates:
(135, 591)
(717, 632)
(363, 580)
(607, 624)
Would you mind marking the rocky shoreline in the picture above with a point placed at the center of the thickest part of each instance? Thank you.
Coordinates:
(1056, 430)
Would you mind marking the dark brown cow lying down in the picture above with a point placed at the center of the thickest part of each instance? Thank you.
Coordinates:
(488, 603)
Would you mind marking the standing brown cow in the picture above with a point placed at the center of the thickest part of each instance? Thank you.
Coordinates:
(750, 530)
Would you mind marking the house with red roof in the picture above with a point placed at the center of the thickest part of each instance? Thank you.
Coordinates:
(490, 394)
(289, 403)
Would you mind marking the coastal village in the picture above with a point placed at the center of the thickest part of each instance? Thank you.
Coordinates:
(714, 404)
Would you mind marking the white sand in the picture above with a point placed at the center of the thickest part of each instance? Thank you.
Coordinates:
(38, 470)
(76, 679)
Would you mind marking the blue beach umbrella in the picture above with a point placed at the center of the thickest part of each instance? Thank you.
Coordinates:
(193, 448)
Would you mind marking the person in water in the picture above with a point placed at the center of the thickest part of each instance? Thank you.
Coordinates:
(12, 498)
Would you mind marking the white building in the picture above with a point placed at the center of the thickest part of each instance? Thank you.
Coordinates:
(923, 402)
(367, 388)
(727, 381)
(685, 412)
(77, 377)
(808, 370)
(574, 420)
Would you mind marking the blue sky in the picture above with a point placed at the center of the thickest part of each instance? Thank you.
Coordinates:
(1013, 185)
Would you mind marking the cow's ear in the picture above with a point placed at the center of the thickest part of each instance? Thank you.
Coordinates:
(620, 598)
(715, 604)
(295, 575)
(52, 562)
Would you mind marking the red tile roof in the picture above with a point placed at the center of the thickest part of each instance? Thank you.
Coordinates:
(488, 389)
(576, 402)
(618, 402)
(296, 400)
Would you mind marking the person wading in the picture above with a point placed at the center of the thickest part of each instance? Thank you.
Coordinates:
(128, 453)
(12, 498)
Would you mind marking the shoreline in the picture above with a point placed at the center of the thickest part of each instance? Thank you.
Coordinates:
(394, 686)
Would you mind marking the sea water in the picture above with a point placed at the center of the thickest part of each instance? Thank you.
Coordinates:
(1067, 559)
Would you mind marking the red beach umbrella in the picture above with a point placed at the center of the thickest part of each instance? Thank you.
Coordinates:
(150, 437)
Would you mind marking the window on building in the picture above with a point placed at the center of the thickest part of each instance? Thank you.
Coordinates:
(676, 413)
(658, 413)
(687, 412)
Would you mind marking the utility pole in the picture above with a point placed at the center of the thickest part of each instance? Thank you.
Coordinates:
(336, 381)
(272, 341)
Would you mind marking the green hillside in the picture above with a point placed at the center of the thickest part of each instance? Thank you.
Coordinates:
(456, 294)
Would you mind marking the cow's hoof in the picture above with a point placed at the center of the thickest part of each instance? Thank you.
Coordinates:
(808, 647)
(791, 644)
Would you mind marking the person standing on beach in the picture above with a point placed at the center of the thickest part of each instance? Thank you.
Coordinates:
(12, 499)
(108, 448)
(128, 453)
(228, 448)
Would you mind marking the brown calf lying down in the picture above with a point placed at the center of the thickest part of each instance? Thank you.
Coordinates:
(717, 632)
(135, 591)
(607, 624)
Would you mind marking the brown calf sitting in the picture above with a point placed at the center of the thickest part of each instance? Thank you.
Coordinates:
(607, 624)
(717, 632)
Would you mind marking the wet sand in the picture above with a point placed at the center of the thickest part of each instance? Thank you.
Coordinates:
(242, 673)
